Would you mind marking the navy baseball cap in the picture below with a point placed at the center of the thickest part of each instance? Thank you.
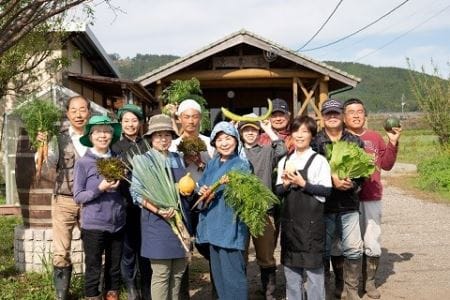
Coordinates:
(332, 105)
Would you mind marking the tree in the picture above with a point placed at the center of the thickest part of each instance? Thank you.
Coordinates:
(29, 32)
(433, 95)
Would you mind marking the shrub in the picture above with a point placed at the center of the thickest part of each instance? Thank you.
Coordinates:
(434, 173)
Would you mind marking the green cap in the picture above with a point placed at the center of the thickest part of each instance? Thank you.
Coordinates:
(136, 110)
(100, 120)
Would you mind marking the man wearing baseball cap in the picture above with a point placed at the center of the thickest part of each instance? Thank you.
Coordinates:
(279, 120)
(341, 208)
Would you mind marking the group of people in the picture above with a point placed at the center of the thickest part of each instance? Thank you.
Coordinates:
(127, 238)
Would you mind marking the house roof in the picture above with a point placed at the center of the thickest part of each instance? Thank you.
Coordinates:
(113, 86)
(246, 37)
(85, 40)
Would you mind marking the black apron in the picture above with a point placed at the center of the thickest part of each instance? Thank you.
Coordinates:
(302, 227)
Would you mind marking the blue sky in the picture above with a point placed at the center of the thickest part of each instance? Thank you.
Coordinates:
(420, 29)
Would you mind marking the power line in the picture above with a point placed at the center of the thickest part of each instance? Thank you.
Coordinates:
(321, 27)
(403, 34)
(359, 30)
(389, 26)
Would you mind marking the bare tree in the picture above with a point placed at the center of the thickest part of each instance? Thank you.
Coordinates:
(433, 95)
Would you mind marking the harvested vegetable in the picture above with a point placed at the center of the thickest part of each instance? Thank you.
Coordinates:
(112, 168)
(180, 90)
(186, 185)
(348, 160)
(39, 116)
(391, 122)
(191, 147)
(290, 166)
(157, 186)
(250, 199)
(239, 118)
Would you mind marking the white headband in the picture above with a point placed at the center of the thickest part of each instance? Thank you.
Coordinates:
(188, 104)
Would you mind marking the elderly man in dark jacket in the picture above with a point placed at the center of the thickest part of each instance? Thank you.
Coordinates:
(341, 207)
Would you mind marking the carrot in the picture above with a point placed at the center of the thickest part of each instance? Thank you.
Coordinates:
(39, 160)
(45, 151)
(206, 196)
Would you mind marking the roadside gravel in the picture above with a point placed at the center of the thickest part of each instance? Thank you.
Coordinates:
(415, 262)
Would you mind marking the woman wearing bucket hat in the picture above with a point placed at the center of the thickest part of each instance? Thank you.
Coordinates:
(218, 225)
(131, 118)
(103, 210)
(159, 242)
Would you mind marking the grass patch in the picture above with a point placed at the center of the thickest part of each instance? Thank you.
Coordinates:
(411, 184)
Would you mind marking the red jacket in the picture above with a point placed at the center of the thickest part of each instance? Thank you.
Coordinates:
(385, 156)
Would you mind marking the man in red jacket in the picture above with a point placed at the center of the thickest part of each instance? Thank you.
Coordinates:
(371, 191)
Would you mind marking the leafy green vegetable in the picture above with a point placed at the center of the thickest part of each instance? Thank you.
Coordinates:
(250, 199)
(348, 160)
(180, 90)
(39, 115)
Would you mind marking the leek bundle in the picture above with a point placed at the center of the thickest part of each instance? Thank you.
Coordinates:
(156, 185)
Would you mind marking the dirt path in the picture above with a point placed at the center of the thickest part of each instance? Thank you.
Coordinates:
(415, 263)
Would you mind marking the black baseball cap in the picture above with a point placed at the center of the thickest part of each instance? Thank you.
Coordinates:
(279, 104)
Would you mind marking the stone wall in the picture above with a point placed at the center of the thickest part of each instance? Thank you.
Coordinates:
(33, 249)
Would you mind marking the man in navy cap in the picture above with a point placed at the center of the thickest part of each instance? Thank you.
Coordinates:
(341, 208)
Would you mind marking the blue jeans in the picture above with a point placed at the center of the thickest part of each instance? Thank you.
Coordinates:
(228, 270)
(345, 227)
(294, 283)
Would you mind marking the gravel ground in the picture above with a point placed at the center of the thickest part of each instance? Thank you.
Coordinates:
(415, 261)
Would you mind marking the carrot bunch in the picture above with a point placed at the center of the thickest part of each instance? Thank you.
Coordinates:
(39, 115)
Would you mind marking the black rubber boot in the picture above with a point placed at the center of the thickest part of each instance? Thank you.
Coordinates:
(268, 281)
(352, 269)
(184, 286)
(61, 280)
(338, 269)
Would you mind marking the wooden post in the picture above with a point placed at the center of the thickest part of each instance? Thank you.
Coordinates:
(323, 96)
(295, 94)
(308, 97)
(158, 92)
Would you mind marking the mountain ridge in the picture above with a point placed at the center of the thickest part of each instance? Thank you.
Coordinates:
(383, 89)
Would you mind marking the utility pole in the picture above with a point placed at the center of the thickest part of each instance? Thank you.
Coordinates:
(403, 103)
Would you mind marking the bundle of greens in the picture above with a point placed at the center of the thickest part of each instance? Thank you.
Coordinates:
(250, 199)
(191, 147)
(157, 186)
(180, 90)
(112, 168)
(39, 116)
(348, 160)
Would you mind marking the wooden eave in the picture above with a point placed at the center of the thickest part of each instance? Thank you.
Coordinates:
(244, 37)
(113, 86)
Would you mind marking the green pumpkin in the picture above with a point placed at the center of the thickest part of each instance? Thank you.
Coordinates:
(391, 122)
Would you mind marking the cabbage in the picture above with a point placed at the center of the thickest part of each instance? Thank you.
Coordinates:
(348, 160)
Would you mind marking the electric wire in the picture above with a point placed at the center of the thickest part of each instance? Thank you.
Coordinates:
(359, 30)
(380, 32)
(403, 34)
(321, 27)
